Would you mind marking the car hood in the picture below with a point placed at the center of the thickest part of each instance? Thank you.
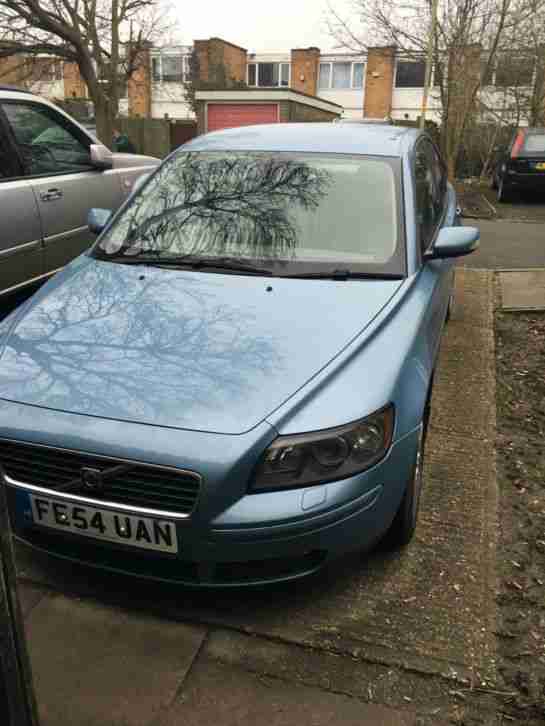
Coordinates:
(191, 350)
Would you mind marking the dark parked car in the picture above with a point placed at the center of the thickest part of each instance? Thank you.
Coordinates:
(521, 164)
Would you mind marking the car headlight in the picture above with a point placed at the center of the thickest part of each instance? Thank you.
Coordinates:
(327, 455)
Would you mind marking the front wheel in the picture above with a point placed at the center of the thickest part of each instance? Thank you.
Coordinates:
(402, 528)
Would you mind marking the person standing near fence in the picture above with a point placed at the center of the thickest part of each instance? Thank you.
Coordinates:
(123, 143)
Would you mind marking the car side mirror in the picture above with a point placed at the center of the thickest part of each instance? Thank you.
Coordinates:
(101, 157)
(97, 219)
(455, 242)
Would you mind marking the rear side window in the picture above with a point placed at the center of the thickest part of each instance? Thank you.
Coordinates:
(47, 142)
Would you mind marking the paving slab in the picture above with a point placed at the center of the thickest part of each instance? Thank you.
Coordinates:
(429, 608)
(95, 665)
(230, 696)
(522, 289)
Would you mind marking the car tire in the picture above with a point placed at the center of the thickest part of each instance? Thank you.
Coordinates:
(450, 308)
(504, 194)
(402, 529)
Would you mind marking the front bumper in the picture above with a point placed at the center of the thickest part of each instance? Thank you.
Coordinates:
(263, 538)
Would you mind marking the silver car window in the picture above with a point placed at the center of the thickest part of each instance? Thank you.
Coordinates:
(46, 143)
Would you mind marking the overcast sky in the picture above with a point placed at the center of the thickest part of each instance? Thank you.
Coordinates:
(256, 25)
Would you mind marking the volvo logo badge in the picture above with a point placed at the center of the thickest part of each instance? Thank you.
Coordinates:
(91, 478)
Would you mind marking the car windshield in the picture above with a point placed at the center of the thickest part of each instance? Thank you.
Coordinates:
(535, 144)
(288, 212)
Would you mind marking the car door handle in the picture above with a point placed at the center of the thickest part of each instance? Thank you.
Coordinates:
(50, 195)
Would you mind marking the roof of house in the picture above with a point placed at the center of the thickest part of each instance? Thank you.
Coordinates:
(376, 140)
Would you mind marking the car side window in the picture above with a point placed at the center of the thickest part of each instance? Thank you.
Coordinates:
(440, 180)
(47, 142)
(9, 166)
(429, 194)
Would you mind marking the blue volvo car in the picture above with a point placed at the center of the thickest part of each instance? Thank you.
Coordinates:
(232, 386)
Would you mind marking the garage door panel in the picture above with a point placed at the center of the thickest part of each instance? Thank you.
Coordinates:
(231, 115)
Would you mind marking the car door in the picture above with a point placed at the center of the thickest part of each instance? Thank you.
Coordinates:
(55, 155)
(21, 257)
(435, 208)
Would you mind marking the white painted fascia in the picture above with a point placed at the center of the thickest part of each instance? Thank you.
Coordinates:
(264, 95)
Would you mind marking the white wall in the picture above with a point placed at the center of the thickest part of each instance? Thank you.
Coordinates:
(48, 89)
(501, 104)
(169, 98)
(350, 99)
(407, 104)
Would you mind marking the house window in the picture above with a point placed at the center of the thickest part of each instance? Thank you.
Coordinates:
(357, 75)
(512, 72)
(341, 74)
(47, 70)
(410, 74)
(170, 68)
(269, 75)
(324, 80)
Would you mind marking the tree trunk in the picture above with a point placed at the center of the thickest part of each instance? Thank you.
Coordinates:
(105, 121)
(451, 166)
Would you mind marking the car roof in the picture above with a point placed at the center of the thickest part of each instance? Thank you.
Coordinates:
(14, 89)
(371, 139)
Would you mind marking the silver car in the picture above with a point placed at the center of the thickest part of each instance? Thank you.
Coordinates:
(52, 171)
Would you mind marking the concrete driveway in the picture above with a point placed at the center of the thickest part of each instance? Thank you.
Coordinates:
(386, 639)
(506, 244)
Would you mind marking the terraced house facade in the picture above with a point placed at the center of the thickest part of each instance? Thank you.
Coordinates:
(379, 83)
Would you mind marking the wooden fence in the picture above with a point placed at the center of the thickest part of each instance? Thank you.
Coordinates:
(156, 136)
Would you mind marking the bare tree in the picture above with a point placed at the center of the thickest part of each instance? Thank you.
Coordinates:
(468, 37)
(218, 78)
(107, 40)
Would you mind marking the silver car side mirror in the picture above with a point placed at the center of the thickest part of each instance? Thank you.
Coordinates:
(97, 219)
(101, 157)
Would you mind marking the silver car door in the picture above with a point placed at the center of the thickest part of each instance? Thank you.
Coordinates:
(21, 255)
(56, 157)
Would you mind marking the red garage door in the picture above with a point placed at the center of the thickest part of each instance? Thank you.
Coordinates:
(229, 115)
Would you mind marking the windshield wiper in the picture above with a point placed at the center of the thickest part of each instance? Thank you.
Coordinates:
(346, 275)
(152, 258)
(226, 263)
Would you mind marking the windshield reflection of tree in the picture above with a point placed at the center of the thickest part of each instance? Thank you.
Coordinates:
(240, 205)
(120, 343)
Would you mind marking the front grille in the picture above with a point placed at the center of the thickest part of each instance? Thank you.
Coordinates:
(134, 484)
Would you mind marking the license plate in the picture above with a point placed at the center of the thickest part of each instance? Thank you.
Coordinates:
(540, 166)
(105, 524)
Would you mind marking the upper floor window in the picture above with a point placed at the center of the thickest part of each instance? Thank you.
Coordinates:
(47, 70)
(410, 74)
(513, 71)
(268, 75)
(341, 74)
(170, 68)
